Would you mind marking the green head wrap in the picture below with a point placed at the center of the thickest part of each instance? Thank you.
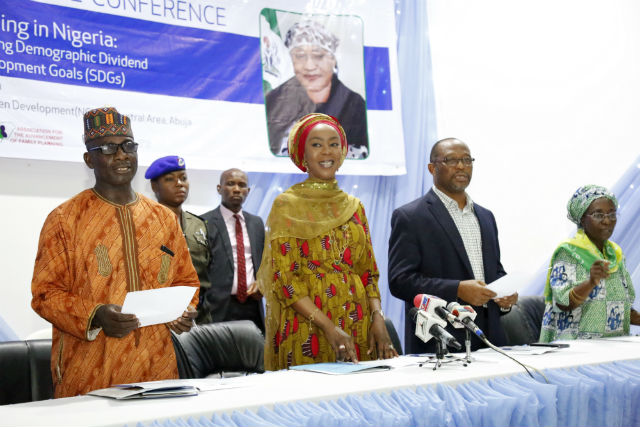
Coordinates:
(582, 199)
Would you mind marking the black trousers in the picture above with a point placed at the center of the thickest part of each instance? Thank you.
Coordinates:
(248, 310)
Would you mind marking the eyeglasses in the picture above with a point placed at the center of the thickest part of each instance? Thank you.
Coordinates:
(599, 216)
(111, 148)
(453, 162)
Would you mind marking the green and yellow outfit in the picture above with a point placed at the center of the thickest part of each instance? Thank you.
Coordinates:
(606, 311)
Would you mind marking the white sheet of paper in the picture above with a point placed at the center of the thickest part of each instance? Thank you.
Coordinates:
(510, 284)
(202, 384)
(522, 350)
(160, 305)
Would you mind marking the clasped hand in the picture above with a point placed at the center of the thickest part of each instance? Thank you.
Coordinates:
(599, 270)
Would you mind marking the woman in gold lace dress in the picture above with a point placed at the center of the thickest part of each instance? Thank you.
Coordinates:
(318, 272)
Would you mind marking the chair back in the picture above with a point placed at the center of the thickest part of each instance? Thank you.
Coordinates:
(216, 348)
(25, 371)
(393, 334)
(522, 324)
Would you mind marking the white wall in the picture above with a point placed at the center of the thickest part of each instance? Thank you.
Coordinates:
(29, 190)
(545, 92)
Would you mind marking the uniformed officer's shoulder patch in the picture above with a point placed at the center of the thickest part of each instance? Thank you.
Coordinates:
(197, 216)
(197, 227)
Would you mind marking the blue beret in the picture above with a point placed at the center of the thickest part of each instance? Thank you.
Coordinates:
(164, 165)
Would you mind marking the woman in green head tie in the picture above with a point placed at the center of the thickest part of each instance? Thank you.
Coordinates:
(589, 293)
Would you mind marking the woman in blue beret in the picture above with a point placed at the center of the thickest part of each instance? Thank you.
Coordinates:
(170, 184)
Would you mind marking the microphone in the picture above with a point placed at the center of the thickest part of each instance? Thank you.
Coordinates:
(435, 305)
(466, 314)
(428, 327)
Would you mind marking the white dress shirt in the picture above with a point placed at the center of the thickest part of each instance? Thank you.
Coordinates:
(230, 222)
(469, 229)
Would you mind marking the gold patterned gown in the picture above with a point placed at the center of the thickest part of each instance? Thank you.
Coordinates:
(92, 252)
(338, 272)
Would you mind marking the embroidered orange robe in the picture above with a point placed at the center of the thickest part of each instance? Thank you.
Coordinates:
(93, 252)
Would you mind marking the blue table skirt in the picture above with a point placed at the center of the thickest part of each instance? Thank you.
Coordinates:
(593, 395)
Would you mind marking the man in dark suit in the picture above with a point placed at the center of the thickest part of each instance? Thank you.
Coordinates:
(445, 245)
(236, 239)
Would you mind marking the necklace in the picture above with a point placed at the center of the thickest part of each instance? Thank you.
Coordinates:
(338, 251)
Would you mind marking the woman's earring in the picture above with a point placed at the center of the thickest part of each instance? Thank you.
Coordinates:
(305, 164)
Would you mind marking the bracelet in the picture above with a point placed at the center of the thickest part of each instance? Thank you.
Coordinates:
(377, 311)
(576, 299)
(313, 315)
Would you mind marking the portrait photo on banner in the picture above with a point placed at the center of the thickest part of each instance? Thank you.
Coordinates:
(313, 64)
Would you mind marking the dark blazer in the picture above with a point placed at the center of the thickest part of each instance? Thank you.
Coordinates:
(427, 255)
(221, 267)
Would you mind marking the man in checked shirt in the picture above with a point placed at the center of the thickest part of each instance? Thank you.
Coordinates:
(444, 244)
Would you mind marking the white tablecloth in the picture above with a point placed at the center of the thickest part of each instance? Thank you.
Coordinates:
(282, 387)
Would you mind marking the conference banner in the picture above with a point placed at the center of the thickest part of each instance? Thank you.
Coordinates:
(218, 82)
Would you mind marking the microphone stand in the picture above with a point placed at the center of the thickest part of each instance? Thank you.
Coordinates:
(467, 345)
(441, 351)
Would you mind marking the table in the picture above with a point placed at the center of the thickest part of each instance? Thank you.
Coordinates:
(593, 382)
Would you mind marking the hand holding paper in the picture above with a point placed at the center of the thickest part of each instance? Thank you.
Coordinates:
(475, 292)
(507, 302)
(509, 284)
(160, 305)
(113, 322)
(185, 322)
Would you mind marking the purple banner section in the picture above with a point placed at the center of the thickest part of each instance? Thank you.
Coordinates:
(72, 46)
(377, 78)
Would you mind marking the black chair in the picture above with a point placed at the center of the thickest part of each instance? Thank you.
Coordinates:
(220, 349)
(393, 334)
(522, 324)
(25, 371)
(217, 348)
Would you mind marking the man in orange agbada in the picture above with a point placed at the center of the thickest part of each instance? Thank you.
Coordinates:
(94, 248)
